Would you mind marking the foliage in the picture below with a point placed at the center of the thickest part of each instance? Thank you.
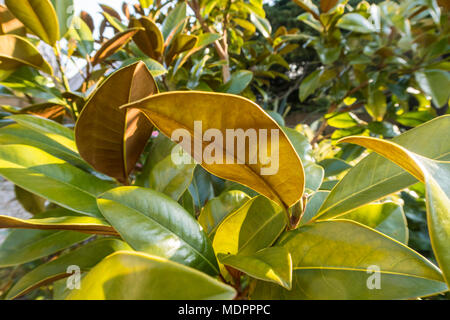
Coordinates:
(92, 160)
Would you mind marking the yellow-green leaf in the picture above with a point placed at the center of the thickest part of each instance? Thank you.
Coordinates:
(52, 178)
(154, 223)
(126, 275)
(273, 264)
(254, 226)
(85, 257)
(342, 259)
(37, 15)
(16, 51)
(60, 219)
(217, 209)
(375, 177)
(436, 176)
(387, 217)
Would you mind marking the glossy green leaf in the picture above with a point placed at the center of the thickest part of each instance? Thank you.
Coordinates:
(154, 223)
(435, 83)
(170, 178)
(262, 24)
(309, 85)
(254, 226)
(284, 185)
(29, 201)
(85, 257)
(342, 120)
(238, 82)
(355, 22)
(173, 20)
(387, 217)
(60, 219)
(83, 35)
(109, 138)
(37, 15)
(272, 264)
(16, 51)
(436, 176)
(201, 188)
(376, 177)
(129, 275)
(219, 208)
(51, 178)
(376, 104)
(334, 259)
(334, 166)
(64, 11)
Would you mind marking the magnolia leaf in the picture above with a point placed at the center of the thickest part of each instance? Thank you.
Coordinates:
(309, 85)
(152, 222)
(170, 178)
(64, 11)
(238, 82)
(179, 44)
(52, 178)
(435, 83)
(60, 219)
(85, 257)
(126, 275)
(16, 51)
(376, 177)
(217, 209)
(81, 32)
(273, 264)
(37, 15)
(173, 20)
(109, 138)
(436, 176)
(150, 40)
(254, 226)
(22, 246)
(355, 22)
(387, 217)
(283, 183)
(113, 45)
(343, 259)
(29, 201)
(52, 111)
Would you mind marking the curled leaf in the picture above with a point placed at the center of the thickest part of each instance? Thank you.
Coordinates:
(109, 138)
(280, 178)
(113, 45)
(150, 40)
